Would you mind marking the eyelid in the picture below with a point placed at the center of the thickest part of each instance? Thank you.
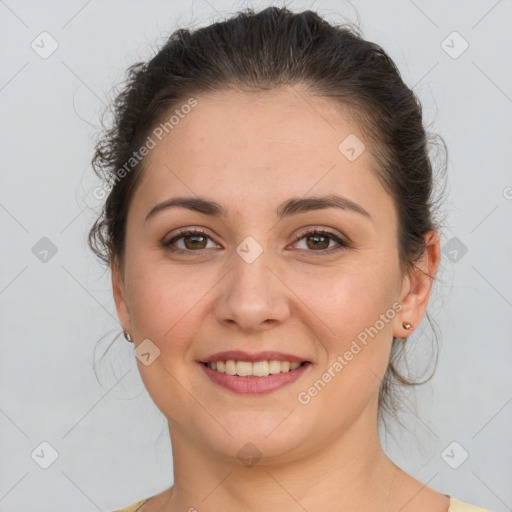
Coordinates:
(187, 231)
(342, 242)
(319, 229)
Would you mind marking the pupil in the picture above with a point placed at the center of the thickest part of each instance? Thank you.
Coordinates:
(316, 237)
(194, 238)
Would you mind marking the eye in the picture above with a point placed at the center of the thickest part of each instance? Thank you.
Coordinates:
(193, 239)
(320, 240)
(196, 239)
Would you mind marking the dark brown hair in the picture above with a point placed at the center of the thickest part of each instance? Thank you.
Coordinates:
(258, 52)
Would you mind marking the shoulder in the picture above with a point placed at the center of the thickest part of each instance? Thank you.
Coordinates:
(455, 506)
(134, 507)
(460, 506)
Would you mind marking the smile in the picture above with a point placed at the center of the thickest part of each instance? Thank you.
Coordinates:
(258, 377)
(253, 369)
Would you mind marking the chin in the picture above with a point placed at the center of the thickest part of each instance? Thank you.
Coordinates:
(258, 435)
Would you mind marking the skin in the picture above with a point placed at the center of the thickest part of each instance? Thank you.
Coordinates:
(250, 153)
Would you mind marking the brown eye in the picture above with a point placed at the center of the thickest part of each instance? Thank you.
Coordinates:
(319, 241)
(193, 239)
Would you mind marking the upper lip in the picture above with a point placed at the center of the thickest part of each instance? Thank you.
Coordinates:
(240, 355)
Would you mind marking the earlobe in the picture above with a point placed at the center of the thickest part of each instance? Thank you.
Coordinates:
(417, 287)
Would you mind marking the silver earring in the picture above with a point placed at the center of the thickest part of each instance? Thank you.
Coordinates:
(406, 325)
(127, 336)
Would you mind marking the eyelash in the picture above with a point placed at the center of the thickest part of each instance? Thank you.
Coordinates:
(342, 243)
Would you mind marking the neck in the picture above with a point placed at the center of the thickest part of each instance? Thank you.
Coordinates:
(350, 470)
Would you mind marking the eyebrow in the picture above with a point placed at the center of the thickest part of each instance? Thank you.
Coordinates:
(291, 206)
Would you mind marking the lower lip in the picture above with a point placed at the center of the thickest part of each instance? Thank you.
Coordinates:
(254, 385)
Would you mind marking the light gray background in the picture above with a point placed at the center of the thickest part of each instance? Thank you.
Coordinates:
(112, 443)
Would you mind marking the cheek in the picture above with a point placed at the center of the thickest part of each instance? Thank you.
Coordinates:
(163, 297)
(355, 306)
(347, 299)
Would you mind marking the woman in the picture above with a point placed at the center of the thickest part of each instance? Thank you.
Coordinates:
(271, 235)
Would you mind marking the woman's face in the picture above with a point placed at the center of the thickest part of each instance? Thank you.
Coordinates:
(247, 284)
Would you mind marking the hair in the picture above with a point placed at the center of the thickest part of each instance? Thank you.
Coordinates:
(260, 52)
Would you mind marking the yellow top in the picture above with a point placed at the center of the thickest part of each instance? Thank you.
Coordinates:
(134, 507)
(455, 506)
(460, 506)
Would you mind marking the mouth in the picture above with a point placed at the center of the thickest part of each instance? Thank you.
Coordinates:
(253, 373)
(258, 369)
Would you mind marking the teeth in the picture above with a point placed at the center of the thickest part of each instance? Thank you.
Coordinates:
(261, 368)
(243, 368)
(274, 367)
(256, 369)
(230, 367)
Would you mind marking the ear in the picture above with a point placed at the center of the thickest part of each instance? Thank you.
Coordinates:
(417, 286)
(118, 290)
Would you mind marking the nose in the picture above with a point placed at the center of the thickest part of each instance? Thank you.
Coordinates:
(252, 295)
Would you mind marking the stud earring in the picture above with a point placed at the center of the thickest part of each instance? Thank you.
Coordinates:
(406, 325)
(127, 336)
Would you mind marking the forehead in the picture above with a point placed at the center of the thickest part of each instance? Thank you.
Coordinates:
(242, 124)
(261, 147)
